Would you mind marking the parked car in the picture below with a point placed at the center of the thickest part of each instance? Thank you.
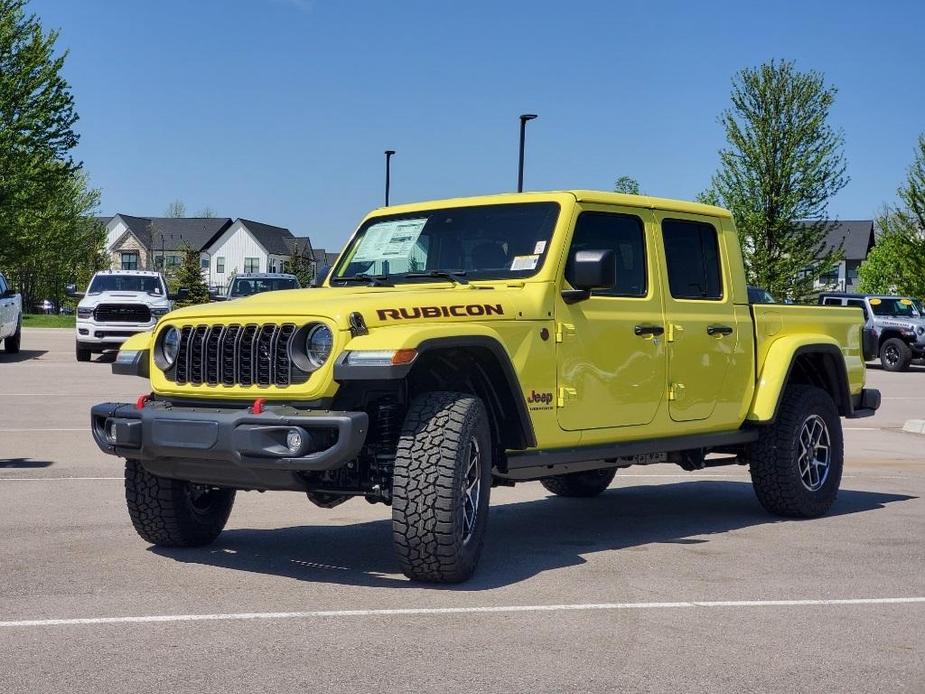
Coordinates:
(894, 328)
(757, 295)
(468, 343)
(10, 317)
(117, 305)
(251, 283)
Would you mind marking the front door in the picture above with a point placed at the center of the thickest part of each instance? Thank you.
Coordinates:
(702, 327)
(611, 356)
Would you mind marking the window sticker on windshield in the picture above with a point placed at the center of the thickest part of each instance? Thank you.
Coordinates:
(524, 262)
(875, 302)
(540, 247)
(905, 302)
(389, 240)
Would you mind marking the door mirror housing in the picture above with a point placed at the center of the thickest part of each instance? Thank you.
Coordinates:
(8, 294)
(590, 270)
(71, 291)
(181, 295)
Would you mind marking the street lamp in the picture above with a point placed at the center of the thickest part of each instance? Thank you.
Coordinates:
(388, 173)
(520, 168)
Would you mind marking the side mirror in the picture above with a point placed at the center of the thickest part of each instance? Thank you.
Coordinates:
(9, 293)
(321, 275)
(219, 297)
(181, 295)
(591, 270)
(71, 291)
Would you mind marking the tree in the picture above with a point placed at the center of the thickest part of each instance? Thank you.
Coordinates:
(782, 165)
(189, 276)
(897, 262)
(206, 213)
(627, 184)
(301, 266)
(46, 234)
(176, 209)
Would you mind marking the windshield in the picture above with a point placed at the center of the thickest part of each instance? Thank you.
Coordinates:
(483, 242)
(126, 283)
(258, 285)
(893, 307)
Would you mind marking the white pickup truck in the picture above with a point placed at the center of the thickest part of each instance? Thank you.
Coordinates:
(10, 317)
(117, 305)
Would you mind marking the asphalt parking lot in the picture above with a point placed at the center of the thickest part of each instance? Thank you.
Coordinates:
(670, 581)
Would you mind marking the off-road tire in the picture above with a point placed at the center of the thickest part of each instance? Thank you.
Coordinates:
(432, 462)
(580, 484)
(774, 459)
(164, 513)
(83, 354)
(12, 343)
(895, 355)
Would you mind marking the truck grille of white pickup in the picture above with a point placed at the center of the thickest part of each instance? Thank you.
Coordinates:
(122, 313)
(243, 355)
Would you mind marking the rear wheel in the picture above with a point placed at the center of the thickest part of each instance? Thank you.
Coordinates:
(83, 354)
(11, 344)
(175, 513)
(796, 464)
(441, 486)
(895, 355)
(580, 484)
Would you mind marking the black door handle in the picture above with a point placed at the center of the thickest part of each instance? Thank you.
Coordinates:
(719, 330)
(648, 330)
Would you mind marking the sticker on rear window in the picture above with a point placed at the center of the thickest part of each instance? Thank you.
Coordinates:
(525, 262)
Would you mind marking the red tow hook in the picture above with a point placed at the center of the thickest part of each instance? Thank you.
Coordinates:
(257, 407)
(141, 401)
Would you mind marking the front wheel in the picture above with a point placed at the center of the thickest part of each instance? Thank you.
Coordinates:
(175, 513)
(12, 343)
(440, 487)
(895, 355)
(82, 354)
(796, 464)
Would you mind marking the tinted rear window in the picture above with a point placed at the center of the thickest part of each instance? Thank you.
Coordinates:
(692, 253)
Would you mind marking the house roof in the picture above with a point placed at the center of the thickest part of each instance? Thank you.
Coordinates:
(301, 245)
(856, 238)
(275, 240)
(173, 233)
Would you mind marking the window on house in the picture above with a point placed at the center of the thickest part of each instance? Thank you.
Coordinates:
(252, 265)
(158, 262)
(621, 233)
(830, 277)
(220, 264)
(271, 265)
(129, 261)
(204, 263)
(173, 260)
(692, 252)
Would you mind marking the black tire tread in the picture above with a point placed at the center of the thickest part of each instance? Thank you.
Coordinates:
(905, 355)
(12, 344)
(160, 513)
(583, 484)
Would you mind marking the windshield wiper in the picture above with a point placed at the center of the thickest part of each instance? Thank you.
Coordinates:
(451, 275)
(373, 280)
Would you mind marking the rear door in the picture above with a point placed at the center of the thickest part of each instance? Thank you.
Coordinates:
(703, 324)
(610, 351)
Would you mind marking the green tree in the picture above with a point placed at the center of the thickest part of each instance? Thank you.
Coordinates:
(189, 276)
(45, 201)
(897, 262)
(782, 165)
(301, 266)
(627, 184)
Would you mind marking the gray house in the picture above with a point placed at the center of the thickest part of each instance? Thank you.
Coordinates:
(856, 237)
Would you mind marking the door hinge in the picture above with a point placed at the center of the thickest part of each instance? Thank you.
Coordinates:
(674, 332)
(564, 330)
(565, 393)
(675, 391)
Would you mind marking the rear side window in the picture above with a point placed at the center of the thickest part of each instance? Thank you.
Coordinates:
(860, 304)
(692, 253)
(624, 235)
(832, 302)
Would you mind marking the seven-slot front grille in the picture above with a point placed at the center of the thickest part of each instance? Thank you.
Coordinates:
(243, 355)
(122, 313)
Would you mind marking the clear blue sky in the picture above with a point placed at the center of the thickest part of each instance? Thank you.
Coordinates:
(279, 110)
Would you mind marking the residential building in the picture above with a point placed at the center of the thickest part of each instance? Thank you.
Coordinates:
(856, 238)
(248, 246)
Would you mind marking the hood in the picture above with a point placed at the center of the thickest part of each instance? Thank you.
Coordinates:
(379, 305)
(123, 298)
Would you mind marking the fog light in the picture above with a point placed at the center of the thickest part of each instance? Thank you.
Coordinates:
(294, 440)
(112, 432)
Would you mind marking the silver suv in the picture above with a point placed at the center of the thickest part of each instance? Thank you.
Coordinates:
(894, 327)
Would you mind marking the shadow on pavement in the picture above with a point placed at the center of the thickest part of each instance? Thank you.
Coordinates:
(22, 355)
(22, 463)
(524, 539)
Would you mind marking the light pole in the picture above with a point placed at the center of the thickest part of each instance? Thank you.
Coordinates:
(520, 167)
(388, 173)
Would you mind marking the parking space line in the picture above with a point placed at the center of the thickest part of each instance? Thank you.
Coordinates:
(436, 611)
(55, 479)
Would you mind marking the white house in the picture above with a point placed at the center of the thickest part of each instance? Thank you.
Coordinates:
(248, 246)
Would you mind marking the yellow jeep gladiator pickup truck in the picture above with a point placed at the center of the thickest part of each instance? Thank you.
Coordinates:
(463, 344)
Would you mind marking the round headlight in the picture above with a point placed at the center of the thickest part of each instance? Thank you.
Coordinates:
(318, 345)
(920, 330)
(170, 345)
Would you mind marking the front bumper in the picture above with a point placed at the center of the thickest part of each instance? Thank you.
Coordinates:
(229, 446)
(108, 335)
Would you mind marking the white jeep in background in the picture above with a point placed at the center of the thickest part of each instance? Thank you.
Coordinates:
(117, 305)
(10, 317)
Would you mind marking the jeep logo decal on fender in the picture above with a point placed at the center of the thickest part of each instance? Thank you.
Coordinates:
(458, 311)
(539, 401)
